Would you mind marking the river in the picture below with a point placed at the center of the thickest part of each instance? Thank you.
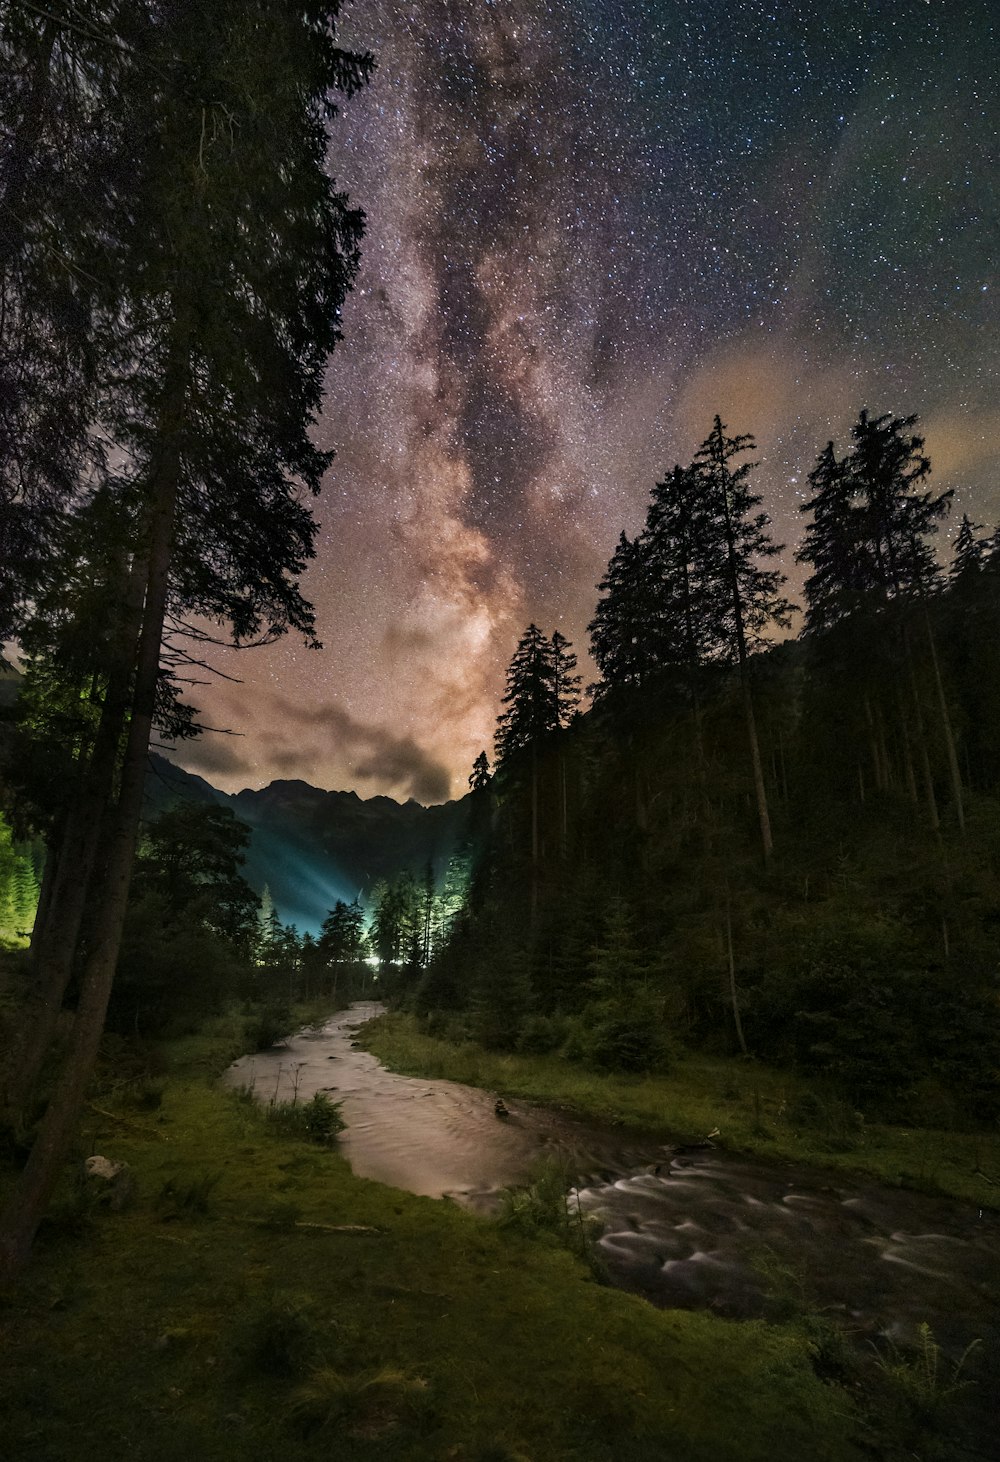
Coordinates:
(692, 1229)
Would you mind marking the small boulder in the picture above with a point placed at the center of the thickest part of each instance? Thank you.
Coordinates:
(112, 1180)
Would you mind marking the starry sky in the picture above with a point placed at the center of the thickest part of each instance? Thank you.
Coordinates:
(592, 226)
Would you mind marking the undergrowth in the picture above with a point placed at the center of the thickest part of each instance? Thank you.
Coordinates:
(256, 1299)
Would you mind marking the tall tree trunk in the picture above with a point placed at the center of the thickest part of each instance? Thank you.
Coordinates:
(760, 790)
(534, 833)
(949, 738)
(782, 767)
(563, 807)
(19, 1221)
(731, 962)
(881, 779)
(54, 949)
(920, 729)
(906, 745)
(887, 769)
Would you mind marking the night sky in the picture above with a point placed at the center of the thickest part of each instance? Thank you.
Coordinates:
(592, 226)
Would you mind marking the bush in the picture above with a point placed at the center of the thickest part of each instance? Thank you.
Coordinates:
(839, 1127)
(277, 1337)
(621, 1033)
(878, 1028)
(542, 1034)
(546, 1207)
(184, 1198)
(318, 1120)
(368, 1403)
(267, 1026)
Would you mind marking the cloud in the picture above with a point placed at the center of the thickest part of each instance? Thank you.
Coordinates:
(322, 743)
(212, 755)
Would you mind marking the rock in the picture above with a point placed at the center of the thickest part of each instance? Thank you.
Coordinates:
(113, 1180)
(102, 1167)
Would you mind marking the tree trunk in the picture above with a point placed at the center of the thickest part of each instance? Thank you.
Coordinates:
(887, 771)
(54, 949)
(760, 790)
(881, 778)
(921, 735)
(731, 961)
(19, 1221)
(949, 738)
(534, 833)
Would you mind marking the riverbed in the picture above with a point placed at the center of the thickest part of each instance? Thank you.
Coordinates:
(684, 1228)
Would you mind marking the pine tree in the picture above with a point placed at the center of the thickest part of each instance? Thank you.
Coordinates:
(887, 465)
(874, 568)
(565, 684)
(620, 633)
(970, 551)
(532, 715)
(342, 941)
(479, 778)
(835, 544)
(684, 540)
(530, 697)
(749, 594)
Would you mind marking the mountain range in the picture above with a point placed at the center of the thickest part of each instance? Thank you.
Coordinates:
(309, 847)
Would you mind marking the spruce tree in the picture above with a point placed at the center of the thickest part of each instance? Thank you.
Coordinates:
(621, 641)
(970, 550)
(479, 777)
(565, 682)
(530, 697)
(748, 594)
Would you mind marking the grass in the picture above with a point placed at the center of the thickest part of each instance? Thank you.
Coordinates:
(257, 1298)
(755, 1108)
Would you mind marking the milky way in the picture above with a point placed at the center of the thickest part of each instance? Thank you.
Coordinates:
(592, 226)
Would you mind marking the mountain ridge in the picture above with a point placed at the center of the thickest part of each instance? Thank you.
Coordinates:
(311, 846)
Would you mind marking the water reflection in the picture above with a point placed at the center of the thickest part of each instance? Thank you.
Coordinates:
(698, 1230)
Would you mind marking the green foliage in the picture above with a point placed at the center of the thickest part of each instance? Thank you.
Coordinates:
(19, 879)
(920, 1379)
(366, 1403)
(501, 1001)
(539, 1035)
(317, 1120)
(188, 1197)
(833, 1120)
(268, 1025)
(277, 1336)
(621, 1033)
(547, 1206)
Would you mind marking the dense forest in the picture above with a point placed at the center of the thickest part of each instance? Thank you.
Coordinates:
(787, 849)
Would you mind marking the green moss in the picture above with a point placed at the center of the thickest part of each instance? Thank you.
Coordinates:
(756, 1109)
(219, 1333)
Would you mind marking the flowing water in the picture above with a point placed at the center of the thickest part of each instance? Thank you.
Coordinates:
(685, 1228)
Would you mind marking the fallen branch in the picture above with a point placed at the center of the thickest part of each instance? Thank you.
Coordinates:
(324, 1228)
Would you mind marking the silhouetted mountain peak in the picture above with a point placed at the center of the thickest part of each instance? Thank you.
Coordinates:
(312, 847)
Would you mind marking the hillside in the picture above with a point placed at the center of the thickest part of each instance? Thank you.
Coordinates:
(312, 847)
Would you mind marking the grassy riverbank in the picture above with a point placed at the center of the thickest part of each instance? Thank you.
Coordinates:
(756, 1109)
(235, 1310)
